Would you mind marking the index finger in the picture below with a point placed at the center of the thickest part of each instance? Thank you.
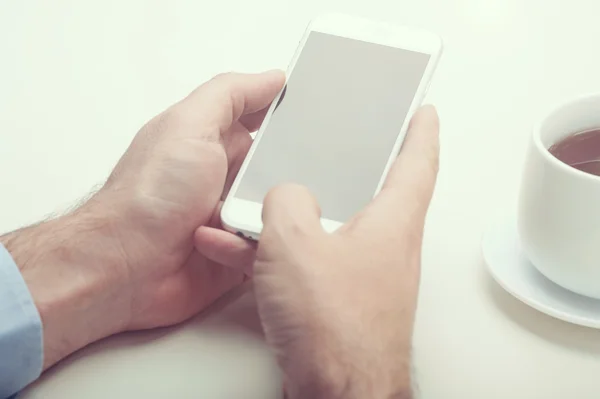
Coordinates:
(415, 170)
(409, 186)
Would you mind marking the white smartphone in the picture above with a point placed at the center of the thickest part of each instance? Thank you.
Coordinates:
(339, 123)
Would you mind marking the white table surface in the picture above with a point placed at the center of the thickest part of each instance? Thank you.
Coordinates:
(78, 78)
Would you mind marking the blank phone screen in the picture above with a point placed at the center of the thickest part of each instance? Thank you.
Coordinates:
(336, 123)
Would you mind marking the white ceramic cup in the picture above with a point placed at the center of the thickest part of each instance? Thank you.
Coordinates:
(559, 206)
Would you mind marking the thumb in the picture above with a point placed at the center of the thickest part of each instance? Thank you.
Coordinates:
(290, 211)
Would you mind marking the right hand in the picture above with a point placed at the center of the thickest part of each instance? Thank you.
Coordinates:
(339, 308)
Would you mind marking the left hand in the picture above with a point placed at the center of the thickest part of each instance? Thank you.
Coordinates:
(171, 181)
(126, 260)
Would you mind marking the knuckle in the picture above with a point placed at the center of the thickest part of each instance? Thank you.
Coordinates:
(297, 228)
(166, 119)
(219, 80)
(225, 91)
(173, 119)
(224, 76)
(156, 126)
(224, 81)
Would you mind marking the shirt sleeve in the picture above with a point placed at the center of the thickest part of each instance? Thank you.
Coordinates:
(21, 344)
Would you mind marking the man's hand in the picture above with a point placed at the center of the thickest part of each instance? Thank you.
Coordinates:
(126, 260)
(339, 308)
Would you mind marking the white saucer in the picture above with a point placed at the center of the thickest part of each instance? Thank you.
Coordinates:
(513, 271)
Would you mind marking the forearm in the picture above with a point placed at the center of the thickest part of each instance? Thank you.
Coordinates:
(69, 267)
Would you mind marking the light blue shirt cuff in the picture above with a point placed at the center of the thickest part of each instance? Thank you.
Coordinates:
(21, 338)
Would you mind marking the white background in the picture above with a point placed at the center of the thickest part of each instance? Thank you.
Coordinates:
(78, 78)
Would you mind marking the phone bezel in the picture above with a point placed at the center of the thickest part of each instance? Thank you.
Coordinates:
(245, 217)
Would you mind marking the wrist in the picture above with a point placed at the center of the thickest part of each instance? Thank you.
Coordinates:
(74, 272)
(338, 368)
(349, 383)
